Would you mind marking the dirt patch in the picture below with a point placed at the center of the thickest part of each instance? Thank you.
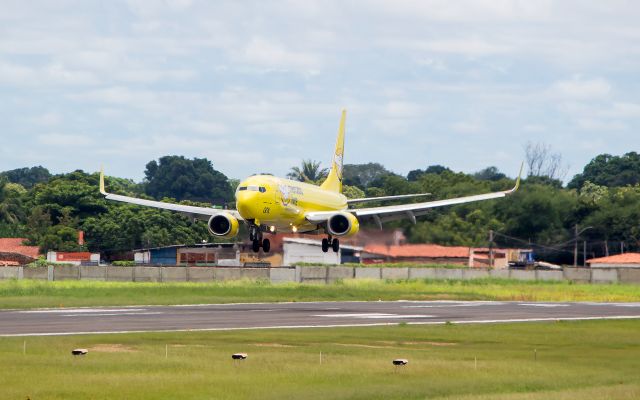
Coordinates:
(272, 345)
(432, 343)
(112, 348)
(365, 346)
(419, 342)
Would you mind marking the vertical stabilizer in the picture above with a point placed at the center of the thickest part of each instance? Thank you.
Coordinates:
(334, 179)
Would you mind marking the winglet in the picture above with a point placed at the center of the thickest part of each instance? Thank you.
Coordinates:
(518, 179)
(102, 181)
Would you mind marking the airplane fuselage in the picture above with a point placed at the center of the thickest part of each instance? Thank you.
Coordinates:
(282, 203)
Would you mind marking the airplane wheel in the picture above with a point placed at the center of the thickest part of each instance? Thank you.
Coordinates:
(266, 245)
(255, 246)
(325, 245)
(335, 245)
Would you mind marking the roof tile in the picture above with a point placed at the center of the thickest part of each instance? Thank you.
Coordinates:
(15, 245)
(626, 258)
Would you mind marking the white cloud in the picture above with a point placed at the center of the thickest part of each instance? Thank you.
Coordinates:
(65, 140)
(199, 78)
(583, 89)
(269, 54)
(622, 110)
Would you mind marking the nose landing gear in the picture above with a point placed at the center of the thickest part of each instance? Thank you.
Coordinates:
(330, 242)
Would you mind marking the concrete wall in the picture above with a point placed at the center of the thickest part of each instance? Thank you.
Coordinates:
(63, 273)
(200, 274)
(10, 272)
(579, 275)
(281, 275)
(35, 273)
(318, 274)
(93, 273)
(604, 275)
(367, 273)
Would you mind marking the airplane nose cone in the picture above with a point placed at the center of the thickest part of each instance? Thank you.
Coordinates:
(246, 203)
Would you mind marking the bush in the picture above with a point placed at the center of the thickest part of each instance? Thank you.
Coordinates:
(124, 263)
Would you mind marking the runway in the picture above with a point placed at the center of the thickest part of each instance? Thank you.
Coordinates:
(205, 317)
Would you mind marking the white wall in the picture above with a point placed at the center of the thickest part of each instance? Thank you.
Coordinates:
(298, 252)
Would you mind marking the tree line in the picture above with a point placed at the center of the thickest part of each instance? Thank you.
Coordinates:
(49, 209)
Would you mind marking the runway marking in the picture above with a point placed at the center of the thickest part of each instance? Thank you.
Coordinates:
(82, 310)
(456, 305)
(549, 305)
(112, 314)
(616, 317)
(373, 316)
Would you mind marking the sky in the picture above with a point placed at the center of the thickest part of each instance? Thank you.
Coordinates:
(259, 86)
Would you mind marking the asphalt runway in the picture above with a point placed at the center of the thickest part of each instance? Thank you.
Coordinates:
(204, 317)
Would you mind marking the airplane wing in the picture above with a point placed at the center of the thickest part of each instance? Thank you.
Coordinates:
(387, 198)
(203, 213)
(410, 211)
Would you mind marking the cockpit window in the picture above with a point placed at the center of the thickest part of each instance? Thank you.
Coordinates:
(253, 188)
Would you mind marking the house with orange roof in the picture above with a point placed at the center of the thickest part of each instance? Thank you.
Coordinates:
(436, 254)
(13, 251)
(624, 260)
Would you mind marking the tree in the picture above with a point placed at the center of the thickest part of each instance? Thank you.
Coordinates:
(362, 175)
(489, 174)
(183, 179)
(610, 171)
(309, 171)
(542, 162)
(11, 195)
(27, 177)
(415, 174)
(352, 192)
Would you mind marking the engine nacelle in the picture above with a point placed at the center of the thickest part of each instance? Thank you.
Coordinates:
(223, 225)
(343, 224)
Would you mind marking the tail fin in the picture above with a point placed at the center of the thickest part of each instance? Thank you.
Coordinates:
(333, 182)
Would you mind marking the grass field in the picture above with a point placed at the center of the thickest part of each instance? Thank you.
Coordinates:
(30, 294)
(560, 360)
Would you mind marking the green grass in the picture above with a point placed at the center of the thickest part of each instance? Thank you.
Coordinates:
(585, 360)
(30, 294)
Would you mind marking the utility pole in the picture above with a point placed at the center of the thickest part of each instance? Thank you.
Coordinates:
(491, 249)
(584, 253)
(575, 248)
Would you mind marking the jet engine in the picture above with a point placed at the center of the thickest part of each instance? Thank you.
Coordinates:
(223, 225)
(343, 224)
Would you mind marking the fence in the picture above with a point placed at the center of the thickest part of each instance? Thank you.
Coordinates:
(320, 274)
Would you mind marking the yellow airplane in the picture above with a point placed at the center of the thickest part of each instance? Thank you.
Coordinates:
(267, 204)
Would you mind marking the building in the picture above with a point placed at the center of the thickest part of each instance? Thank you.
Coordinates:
(223, 254)
(75, 258)
(436, 254)
(625, 260)
(416, 253)
(303, 250)
(14, 252)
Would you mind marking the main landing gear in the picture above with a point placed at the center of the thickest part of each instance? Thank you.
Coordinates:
(257, 242)
(330, 242)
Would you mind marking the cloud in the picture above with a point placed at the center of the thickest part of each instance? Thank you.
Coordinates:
(270, 54)
(245, 84)
(65, 140)
(582, 89)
